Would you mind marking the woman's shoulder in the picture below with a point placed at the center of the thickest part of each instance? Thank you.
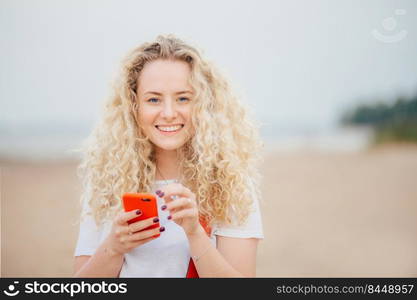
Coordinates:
(251, 227)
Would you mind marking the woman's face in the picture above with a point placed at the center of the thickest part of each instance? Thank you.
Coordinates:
(165, 102)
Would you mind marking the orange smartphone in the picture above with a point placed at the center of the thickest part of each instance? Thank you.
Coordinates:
(146, 202)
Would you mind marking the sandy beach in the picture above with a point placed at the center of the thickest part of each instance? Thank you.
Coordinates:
(324, 214)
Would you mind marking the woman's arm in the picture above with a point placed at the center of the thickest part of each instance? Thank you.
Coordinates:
(108, 259)
(103, 263)
(234, 257)
(240, 253)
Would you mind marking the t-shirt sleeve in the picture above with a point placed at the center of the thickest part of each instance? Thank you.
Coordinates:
(251, 229)
(89, 234)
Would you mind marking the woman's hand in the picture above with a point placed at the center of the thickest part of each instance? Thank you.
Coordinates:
(182, 205)
(124, 237)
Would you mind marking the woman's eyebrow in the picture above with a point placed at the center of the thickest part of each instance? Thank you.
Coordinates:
(184, 92)
(151, 92)
(177, 93)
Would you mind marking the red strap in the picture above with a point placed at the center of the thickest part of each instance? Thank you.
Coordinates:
(192, 271)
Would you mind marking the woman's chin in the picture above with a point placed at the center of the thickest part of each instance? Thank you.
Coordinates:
(168, 146)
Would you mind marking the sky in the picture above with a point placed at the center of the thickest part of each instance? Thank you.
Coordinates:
(296, 64)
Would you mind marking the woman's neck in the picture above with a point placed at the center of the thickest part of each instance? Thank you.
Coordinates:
(167, 165)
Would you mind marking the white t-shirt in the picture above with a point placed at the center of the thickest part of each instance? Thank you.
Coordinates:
(168, 255)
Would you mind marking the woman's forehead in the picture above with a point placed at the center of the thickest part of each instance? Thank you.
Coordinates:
(165, 69)
(164, 76)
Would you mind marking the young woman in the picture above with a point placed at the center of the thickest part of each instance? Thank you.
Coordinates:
(172, 127)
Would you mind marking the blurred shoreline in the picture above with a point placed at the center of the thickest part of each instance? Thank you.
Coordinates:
(23, 144)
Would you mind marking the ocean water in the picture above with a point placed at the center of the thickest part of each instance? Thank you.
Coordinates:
(57, 143)
(338, 139)
(42, 140)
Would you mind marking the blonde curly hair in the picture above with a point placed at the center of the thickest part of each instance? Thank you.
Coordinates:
(219, 162)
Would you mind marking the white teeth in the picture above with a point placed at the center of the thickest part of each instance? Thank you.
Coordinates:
(169, 128)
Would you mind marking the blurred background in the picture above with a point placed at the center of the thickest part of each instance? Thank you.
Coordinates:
(333, 85)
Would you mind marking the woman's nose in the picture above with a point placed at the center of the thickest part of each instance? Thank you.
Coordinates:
(168, 110)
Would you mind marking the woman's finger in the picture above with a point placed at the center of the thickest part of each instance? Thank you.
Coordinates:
(140, 225)
(123, 217)
(185, 213)
(174, 190)
(145, 234)
(178, 203)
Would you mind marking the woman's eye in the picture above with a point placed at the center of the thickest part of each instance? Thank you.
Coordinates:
(153, 100)
(183, 99)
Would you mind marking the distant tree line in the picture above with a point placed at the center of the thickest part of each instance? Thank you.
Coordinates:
(396, 122)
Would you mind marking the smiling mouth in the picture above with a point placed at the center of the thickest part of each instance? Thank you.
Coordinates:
(171, 128)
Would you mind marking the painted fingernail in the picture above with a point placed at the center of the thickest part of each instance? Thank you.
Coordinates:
(155, 220)
(161, 229)
(158, 192)
(164, 207)
(138, 212)
(169, 217)
(161, 194)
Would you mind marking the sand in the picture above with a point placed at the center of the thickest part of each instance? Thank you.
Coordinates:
(324, 215)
